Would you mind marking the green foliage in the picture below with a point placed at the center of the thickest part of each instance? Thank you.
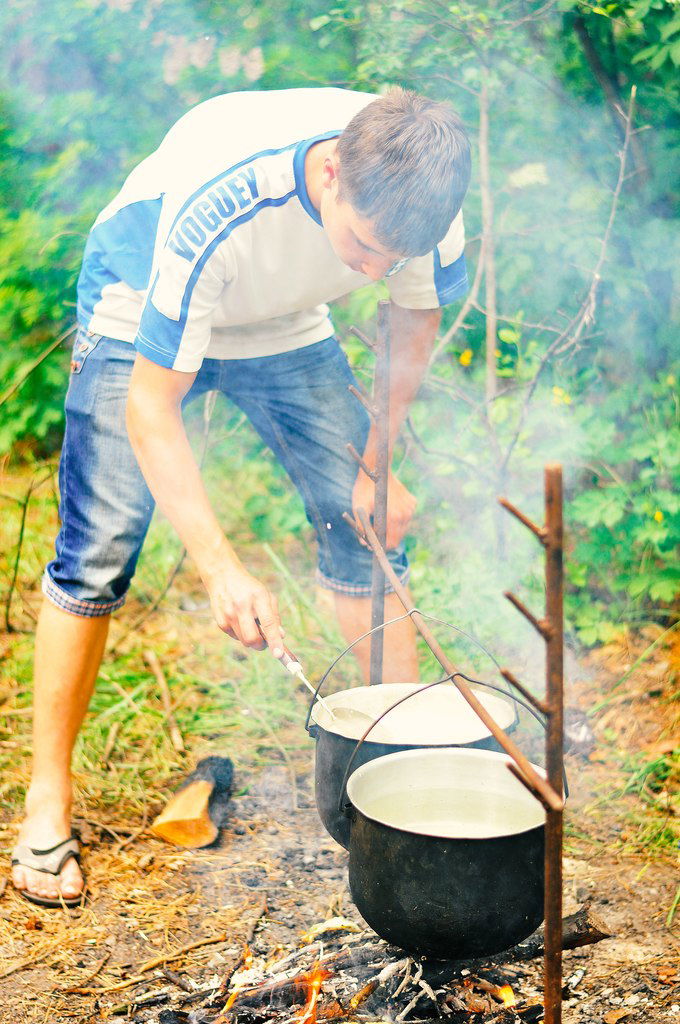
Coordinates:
(626, 516)
(606, 407)
(88, 89)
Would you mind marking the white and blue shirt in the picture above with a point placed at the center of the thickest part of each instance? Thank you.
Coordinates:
(212, 247)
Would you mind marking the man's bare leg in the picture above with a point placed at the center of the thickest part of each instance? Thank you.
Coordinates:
(400, 660)
(68, 651)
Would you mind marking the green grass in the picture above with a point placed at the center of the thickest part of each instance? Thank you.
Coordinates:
(226, 701)
(240, 704)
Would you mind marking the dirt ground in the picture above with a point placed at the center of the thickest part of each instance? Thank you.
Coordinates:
(148, 901)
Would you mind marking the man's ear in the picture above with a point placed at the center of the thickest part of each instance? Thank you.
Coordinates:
(329, 170)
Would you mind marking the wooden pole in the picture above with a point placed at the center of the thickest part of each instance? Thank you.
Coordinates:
(381, 404)
(527, 773)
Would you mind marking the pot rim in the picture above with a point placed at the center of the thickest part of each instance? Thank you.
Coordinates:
(502, 708)
(475, 758)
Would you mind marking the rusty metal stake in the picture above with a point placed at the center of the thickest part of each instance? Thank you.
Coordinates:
(554, 743)
(378, 408)
(381, 402)
(551, 629)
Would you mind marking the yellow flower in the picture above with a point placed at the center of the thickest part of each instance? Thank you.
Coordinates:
(560, 396)
(497, 353)
(658, 515)
(465, 358)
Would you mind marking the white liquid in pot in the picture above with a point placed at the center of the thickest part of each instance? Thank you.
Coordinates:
(439, 812)
(438, 716)
(454, 793)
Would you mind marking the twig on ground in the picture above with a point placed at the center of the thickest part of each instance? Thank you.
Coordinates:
(145, 999)
(259, 910)
(150, 965)
(151, 658)
(110, 742)
(102, 990)
(178, 980)
(166, 958)
(14, 585)
(17, 559)
(122, 843)
(88, 978)
(148, 612)
(29, 961)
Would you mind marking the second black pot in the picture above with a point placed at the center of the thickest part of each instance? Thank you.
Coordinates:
(446, 852)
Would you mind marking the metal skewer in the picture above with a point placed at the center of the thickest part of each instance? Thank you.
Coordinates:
(291, 663)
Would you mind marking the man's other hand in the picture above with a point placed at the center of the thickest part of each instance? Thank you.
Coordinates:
(245, 610)
(401, 505)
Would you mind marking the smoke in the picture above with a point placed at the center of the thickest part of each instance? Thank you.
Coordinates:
(109, 77)
(90, 89)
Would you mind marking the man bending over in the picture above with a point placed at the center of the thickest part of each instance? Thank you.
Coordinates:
(211, 270)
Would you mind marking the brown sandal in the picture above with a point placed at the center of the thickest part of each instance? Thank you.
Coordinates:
(50, 862)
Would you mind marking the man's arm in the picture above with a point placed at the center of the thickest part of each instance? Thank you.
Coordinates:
(412, 337)
(160, 443)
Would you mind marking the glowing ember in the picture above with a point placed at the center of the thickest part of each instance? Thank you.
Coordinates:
(311, 982)
(507, 995)
(230, 1002)
(246, 962)
(362, 995)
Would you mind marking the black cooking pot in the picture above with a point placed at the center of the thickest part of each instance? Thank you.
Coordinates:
(429, 718)
(338, 740)
(446, 852)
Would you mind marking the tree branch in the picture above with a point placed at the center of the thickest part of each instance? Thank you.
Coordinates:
(488, 243)
(585, 316)
(34, 365)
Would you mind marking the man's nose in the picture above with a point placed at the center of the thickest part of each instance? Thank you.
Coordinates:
(375, 269)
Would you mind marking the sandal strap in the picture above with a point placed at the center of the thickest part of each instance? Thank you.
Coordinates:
(49, 861)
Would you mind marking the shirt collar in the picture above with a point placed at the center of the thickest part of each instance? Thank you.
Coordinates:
(301, 151)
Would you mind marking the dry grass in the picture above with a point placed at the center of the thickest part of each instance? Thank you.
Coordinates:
(143, 901)
(147, 899)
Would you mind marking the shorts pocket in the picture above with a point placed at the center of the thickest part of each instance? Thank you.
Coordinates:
(80, 396)
(84, 344)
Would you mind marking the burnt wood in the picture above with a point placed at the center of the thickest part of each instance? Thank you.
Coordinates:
(199, 807)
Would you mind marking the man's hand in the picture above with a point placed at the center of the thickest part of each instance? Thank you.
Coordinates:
(244, 609)
(401, 505)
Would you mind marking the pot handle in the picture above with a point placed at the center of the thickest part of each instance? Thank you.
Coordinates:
(345, 806)
(432, 618)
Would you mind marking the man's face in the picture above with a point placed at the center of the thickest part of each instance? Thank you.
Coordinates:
(350, 235)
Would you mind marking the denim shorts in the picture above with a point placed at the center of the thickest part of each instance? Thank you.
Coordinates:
(297, 401)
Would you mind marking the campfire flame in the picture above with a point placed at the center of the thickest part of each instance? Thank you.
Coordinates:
(311, 983)
(507, 995)
(247, 958)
